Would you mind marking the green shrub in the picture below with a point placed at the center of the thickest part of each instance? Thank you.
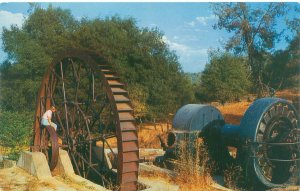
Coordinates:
(16, 131)
(224, 79)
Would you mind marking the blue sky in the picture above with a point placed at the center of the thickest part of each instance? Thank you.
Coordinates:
(187, 27)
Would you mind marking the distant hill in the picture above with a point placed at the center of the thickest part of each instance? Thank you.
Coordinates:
(195, 77)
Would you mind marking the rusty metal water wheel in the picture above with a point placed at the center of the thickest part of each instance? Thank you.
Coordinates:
(49, 145)
(94, 116)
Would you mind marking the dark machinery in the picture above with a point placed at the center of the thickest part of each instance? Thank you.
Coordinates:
(96, 127)
(267, 140)
(95, 119)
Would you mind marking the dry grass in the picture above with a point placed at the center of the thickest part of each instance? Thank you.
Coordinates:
(193, 167)
(233, 177)
(289, 188)
(196, 183)
(289, 94)
(34, 185)
(157, 175)
(233, 112)
(187, 179)
(148, 135)
(18, 179)
(76, 185)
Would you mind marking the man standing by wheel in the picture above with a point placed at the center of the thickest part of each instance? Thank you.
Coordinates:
(46, 119)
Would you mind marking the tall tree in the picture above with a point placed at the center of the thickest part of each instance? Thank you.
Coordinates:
(254, 31)
(283, 70)
(30, 49)
(140, 56)
(224, 79)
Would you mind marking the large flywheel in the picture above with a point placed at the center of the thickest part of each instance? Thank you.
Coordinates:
(94, 117)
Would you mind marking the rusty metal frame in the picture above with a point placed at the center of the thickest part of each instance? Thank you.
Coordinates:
(49, 146)
(126, 131)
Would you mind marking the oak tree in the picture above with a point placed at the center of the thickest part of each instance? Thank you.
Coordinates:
(254, 32)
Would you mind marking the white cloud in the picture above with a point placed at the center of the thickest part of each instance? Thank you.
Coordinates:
(174, 45)
(192, 23)
(193, 59)
(8, 18)
(203, 20)
(184, 49)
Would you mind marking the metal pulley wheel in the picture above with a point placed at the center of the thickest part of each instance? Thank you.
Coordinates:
(270, 126)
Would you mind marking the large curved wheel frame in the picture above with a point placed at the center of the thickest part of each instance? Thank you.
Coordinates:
(49, 145)
(93, 109)
(274, 150)
(278, 155)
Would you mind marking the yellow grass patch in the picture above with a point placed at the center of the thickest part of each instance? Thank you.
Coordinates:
(148, 134)
(233, 112)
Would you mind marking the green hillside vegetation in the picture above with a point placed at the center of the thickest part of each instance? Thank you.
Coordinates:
(139, 55)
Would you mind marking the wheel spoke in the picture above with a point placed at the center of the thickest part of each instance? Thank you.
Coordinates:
(87, 113)
(278, 129)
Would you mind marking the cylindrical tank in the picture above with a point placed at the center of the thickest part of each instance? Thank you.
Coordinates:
(192, 119)
(195, 117)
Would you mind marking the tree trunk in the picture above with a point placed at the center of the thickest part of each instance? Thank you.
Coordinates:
(256, 72)
(259, 87)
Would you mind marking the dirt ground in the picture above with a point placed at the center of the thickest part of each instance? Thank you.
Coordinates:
(12, 179)
(16, 179)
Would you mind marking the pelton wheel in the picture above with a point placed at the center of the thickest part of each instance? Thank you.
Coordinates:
(95, 119)
(275, 150)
